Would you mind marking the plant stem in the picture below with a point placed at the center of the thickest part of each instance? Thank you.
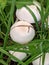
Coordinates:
(3, 62)
(9, 24)
(43, 58)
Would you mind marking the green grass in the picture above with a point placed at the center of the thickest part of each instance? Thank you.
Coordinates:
(37, 47)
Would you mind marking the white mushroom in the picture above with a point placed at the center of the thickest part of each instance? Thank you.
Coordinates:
(19, 55)
(39, 61)
(47, 59)
(24, 14)
(22, 32)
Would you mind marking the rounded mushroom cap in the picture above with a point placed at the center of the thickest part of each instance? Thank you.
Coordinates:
(22, 32)
(24, 14)
(36, 62)
(19, 55)
(39, 60)
(46, 59)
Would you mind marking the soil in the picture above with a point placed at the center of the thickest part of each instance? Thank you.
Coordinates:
(14, 63)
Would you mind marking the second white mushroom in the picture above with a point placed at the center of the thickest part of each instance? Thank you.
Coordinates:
(19, 55)
(22, 32)
(39, 61)
(24, 14)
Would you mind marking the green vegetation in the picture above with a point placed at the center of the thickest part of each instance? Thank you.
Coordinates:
(37, 47)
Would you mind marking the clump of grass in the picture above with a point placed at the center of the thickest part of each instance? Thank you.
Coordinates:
(37, 47)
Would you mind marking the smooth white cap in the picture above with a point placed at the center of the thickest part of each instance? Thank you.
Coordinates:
(47, 59)
(24, 14)
(39, 61)
(36, 62)
(19, 55)
(22, 32)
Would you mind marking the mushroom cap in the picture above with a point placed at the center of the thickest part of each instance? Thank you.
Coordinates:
(19, 55)
(22, 32)
(39, 60)
(46, 59)
(24, 14)
(36, 62)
